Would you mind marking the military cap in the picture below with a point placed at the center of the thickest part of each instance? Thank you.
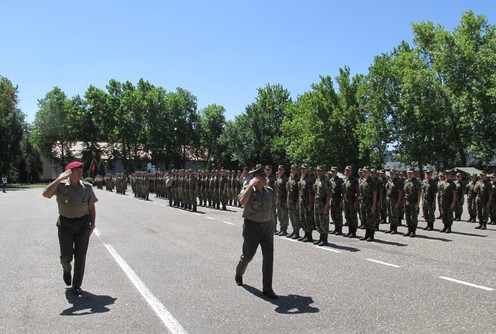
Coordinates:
(373, 170)
(410, 170)
(268, 167)
(365, 169)
(448, 171)
(294, 167)
(281, 167)
(348, 168)
(393, 171)
(258, 171)
(474, 175)
(428, 171)
(305, 166)
(381, 171)
(334, 169)
(321, 167)
(74, 164)
(482, 172)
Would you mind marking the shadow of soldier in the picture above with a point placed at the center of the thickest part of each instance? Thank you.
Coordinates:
(290, 304)
(87, 303)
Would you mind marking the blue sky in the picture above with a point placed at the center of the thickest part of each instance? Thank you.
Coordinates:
(221, 51)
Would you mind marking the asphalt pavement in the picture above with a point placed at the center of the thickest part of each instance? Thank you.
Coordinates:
(155, 269)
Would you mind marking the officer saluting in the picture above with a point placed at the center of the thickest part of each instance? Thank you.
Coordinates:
(258, 228)
(76, 202)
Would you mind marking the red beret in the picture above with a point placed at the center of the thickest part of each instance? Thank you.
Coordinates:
(74, 164)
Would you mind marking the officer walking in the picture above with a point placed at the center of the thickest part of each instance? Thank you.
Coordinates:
(258, 228)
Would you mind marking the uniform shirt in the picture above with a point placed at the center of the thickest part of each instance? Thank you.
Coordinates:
(322, 188)
(429, 190)
(282, 194)
(367, 188)
(336, 189)
(412, 188)
(260, 205)
(447, 193)
(349, 188)
(484, 190)
(393, 189)
(74, 201)
(306, 185)
(293, 190)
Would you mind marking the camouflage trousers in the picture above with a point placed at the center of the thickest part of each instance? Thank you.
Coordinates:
(283, 216)
(394, 212)
(411, 215)
(368, 217)
(337, 215)
(350, 214)
(294, 216)
(447, 215)
(471, 206)
(321, 218)
(482, 210)
(306, 218)
(428, 211)
(459, 207)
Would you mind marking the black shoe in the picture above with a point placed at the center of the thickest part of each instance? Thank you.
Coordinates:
(77, 290)
(239, 279)
(483, 227)
(289, 236)
(478, 227)
(426, 228)
(351, 235)
(296, 236)
(412, 235)
(283, 233)
(448, 230)
(67, 278)
(270, 293)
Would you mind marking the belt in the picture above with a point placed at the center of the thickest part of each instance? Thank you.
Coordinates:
(73, 219)
(254, 222)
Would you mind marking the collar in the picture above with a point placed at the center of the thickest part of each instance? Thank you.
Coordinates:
(67, 182)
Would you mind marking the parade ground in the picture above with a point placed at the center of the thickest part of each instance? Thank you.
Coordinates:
(155, 269)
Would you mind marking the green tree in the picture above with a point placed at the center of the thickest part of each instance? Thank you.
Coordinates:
(212, 124)
(53, 127)
(11, 126)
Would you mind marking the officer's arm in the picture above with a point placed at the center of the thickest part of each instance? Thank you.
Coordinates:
(92, 211)
(244, 195)
(49, 191)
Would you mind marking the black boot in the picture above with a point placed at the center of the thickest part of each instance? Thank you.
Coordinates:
(480, 226)
(324, 240)
(395, 230)
(483, 227)
(409, 232)
(338, 230)
(371, 235)
(284, 232)
(367, 235)
(296, 235)
(412, 234)
(316, 242)
(390, 229)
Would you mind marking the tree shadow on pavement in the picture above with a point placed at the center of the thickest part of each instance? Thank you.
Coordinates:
(290, 304)
(87, 303)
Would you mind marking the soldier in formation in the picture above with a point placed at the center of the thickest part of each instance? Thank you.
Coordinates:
(336, 204)
(429, 191)
(448, 201)
(483, 189)
(109, 182)
(368, 204)
(471, 195)
(120, 183)
(292, 202)
(322, 191)
(282, 200)
(350, 202)
(412, 189)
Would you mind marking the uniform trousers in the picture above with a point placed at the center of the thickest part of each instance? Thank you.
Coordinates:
(74, 236)
(255, 234)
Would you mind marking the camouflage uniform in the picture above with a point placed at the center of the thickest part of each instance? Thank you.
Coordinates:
(412, 189)
(282, 201)
(429, 190)
(483, 189)
(350, 198)
(337, 202)
(368, 204)
(322, 191)
(448, 193)
(292, 195)
(305, 192)
(471, 206)
(394, 195)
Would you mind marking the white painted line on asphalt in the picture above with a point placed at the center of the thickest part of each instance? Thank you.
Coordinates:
(196, 213)
(466, 283)
(167, 318)
(97, 233)
(228, 223)
(211, 218)
(328, 249)
(384, 263)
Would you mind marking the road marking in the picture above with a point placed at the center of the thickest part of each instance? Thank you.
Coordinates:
(167, 318)
(384, 263)
(328, 249)
(228, 223)
(211, 218)
(466, 283)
